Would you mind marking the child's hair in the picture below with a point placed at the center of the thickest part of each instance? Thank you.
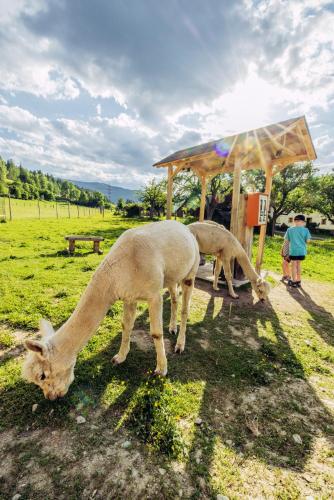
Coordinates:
(300, 217)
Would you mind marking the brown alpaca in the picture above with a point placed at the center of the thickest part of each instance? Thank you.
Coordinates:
(215, 239)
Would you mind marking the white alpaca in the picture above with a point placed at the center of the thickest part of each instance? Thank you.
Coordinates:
(215, 239)
(140, 264)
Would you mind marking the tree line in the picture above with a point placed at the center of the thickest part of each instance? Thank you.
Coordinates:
(21, 183)
(298, 188)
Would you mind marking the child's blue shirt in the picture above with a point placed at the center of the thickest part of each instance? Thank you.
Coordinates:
(297, 237)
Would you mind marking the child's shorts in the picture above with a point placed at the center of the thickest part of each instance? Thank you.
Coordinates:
(297, 257)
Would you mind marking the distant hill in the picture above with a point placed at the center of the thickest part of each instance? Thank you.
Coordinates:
(113, 193)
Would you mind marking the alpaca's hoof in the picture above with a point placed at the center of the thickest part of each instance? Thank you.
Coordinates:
(235, 296)
(172, 330)
(216, 288)
(160, 372)
(179, 349)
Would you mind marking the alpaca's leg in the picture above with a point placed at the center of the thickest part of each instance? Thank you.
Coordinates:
(228, 277)
(174, 299)
(218, 268)
(155, 312)
(187, 288)
(129, 316)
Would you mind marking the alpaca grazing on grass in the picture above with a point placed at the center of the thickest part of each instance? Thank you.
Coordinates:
(140, 264)
(215, 239)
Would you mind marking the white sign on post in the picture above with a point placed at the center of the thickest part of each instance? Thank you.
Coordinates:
(263, 209)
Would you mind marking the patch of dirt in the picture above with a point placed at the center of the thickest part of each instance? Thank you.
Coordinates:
(244, 336)
(144, 341)
(18, 348)
(109, 470)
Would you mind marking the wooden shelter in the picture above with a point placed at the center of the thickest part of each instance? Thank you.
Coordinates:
(271, 148)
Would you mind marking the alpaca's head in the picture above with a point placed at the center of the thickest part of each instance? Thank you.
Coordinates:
(45, 366)
(261, 288)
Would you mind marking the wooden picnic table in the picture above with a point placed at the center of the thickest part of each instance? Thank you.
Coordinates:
(95, 239)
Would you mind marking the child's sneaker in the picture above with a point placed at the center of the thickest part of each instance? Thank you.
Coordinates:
(292, 283)
(285, 278)
(298, 284)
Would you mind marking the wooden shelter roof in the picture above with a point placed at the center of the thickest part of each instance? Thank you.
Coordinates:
(276, 145)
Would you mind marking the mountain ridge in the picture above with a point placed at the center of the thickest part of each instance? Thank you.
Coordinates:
(113, 193)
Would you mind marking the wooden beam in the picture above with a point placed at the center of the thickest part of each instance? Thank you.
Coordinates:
(261, 155)
(169, 193)
(231, 149)
(203, 198)
(305, 139)
(263, 230)
(235, 196)
(277, 143)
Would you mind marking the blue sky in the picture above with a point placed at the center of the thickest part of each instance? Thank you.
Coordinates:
(100, 90)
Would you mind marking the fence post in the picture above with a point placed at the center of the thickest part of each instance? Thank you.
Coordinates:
(78, 211)
(57, 210)
(68, 208)
(10, 208)
(89, 212)
(39, 209)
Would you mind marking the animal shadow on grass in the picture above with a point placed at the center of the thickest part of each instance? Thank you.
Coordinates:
(92, 376)
(322, 321)
(255, 394)
(256, 398)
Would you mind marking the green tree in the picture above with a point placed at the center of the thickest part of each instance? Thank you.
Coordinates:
(3, 178)
(153, 196)
(323, 200)
(187, 191)
(292, 190)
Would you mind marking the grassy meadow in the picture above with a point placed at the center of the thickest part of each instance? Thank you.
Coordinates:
(245, 412)
(32, 209)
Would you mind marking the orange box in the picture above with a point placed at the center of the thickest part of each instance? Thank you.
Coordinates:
(257, 209)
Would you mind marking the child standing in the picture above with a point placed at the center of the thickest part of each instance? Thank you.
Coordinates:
(297, 236)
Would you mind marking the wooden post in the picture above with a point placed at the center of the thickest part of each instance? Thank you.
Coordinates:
(203, 198)
(68, 209)
(78, 211)
(169, 193)
(235, 196)
(263, 230)
(10, 208)
(71, 246)
(57, 210)
(39, 209)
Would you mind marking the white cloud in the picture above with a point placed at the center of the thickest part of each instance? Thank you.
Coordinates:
(185, 78)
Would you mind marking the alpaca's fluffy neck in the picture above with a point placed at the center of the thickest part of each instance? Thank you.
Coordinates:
(246, 265)
(90, 311)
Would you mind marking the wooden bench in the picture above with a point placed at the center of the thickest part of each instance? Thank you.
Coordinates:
(95, 239)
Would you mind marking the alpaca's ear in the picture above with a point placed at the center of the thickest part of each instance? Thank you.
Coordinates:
(36, 346)
(46, 328)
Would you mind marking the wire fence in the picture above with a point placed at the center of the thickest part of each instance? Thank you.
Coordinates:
(13, 209)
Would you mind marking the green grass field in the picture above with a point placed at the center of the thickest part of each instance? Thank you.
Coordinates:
(32, 209)
(245, 412)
